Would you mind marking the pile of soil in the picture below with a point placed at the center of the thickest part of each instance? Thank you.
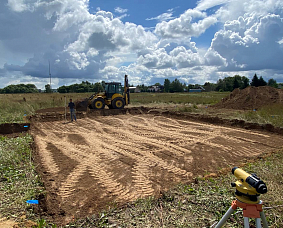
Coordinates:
(251, 98)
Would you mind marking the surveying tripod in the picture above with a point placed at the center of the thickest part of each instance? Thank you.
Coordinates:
(248, 189)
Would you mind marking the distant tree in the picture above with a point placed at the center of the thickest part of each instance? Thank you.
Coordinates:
(255, 81)
(209, 86)
(48, 89)
(246, 82)
(261, 82)
(191, 86)
(236, 83)
(271, 82)
(62, 89)
(167, 85)
(176, 86)
(98, 87)
(103, 84)
(157, 84)
(20, 88)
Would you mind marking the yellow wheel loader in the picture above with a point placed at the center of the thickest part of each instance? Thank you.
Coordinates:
(114, 96)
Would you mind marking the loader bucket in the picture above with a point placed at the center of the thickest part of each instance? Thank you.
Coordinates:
(81, 105)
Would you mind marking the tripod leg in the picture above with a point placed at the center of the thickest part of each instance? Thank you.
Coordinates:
(224, 218)
(258, 223)
(264, 222)
(246, 222)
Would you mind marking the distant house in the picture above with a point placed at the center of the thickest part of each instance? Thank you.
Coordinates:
(154, 89)
(198, 90)
(134, 89)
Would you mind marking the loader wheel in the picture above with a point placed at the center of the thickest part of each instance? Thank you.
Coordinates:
(118, 103)
(98, 103)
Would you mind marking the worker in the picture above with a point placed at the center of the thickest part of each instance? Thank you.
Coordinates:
(72, 110)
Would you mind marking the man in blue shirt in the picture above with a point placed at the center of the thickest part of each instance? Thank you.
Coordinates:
(72, 110)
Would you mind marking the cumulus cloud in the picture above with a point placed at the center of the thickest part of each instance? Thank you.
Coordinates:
(99, 46)
(185, 26)
(178, 58)
(76, 42)
(251, 43)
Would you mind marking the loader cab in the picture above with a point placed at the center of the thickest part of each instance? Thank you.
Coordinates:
(112, 88)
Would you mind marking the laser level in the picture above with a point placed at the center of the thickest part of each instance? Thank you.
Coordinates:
(248, 189)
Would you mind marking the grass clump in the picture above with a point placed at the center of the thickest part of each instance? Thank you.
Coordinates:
(272, 114)
(19, 181)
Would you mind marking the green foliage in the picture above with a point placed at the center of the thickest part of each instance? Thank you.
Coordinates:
(255, 81)
(258, 81)
(207, 86)
(83, 87)
(20, 88)
(231, 83)
(143, 88)
(176, 86)
(272, 83)
(262, 82)
(48, 89)
(166, 85)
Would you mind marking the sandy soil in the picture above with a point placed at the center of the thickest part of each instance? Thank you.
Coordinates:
(90, 164)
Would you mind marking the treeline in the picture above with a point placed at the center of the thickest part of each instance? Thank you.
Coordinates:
(83, 87)
(225, 84)
(231, 83)
(20, 88)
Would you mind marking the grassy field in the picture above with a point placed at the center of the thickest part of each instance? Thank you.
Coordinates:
(15, 106)
(197, 204)
(18, 179)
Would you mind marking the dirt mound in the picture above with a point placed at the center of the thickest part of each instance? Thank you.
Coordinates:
(251, 98)
(81, 105)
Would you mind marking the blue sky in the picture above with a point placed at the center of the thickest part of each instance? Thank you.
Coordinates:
(94, 40)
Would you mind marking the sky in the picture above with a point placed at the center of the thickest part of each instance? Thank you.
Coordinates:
(149, 40)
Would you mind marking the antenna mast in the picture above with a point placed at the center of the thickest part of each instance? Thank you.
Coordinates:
(49, 73)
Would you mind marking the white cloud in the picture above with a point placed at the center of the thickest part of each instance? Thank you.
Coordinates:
(185, 25)
(251, 43)
(120, 10)
(163, 17)
(99, 46)
(206, 4)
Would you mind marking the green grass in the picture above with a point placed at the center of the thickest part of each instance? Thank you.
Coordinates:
(177, 98)
(272, 114)
(199, 204)
(13, 106)
(19, 181)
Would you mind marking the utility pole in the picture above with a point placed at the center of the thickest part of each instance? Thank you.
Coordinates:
(49, 73)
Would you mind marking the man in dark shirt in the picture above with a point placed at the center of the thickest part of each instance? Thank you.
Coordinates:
(72, 110)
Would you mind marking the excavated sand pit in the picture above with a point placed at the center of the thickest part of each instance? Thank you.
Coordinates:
(91, 164)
